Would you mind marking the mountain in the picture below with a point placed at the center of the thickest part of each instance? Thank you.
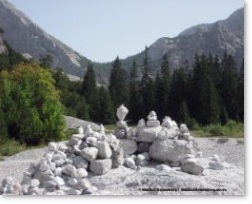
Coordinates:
(29, 39)
(212, 38)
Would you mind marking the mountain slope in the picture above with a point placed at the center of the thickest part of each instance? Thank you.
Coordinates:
(26, 37)
(212, 38)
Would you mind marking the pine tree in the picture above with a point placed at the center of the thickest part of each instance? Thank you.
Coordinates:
(135, 97)
(209, 103)
(118, 84)
(166, 83)
(229, 86)
(183, 113)
(147, 86)
(178, 92)
(89, 90)
(106, 109)
(241, 92)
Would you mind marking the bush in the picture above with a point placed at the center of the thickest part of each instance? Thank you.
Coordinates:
(30, 108)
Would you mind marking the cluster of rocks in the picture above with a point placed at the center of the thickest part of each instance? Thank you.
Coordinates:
(65, 167)
(164, 142)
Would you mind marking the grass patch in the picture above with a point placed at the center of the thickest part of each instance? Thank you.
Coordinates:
(231, 129)
(109, 128)
(10, 147)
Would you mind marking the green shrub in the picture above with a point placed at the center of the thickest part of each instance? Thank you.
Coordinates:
(30, 108)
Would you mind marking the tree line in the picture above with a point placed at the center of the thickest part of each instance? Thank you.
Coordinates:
(209, 92)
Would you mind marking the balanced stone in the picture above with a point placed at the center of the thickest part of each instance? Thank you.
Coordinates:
(152, 116)
(148, 134)
(121, 112)
(100, 166)
(92, 141)
(168, 122)
(89, 153)
(80, 130)
(164, 134)
(117, 156)
(104, 150)
(102, 129)
(152, 123)
(183, 128)
(141, 123)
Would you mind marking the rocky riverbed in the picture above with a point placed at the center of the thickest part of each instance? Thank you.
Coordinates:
(148, 179)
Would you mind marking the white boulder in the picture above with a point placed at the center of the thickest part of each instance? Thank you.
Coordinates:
(100, 166)
(170, 150)
(89, 153)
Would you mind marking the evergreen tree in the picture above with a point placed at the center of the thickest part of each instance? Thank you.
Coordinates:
(183, 113)
(90, 91)
(118, 85)
(209, 103)
(241, 93)
(147, 86)
(135, 97)
(165, 83)
(229, 86)
(178, 92)
(106, 109)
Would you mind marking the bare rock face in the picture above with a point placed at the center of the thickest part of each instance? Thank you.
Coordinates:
(170, 150)
(100, 166)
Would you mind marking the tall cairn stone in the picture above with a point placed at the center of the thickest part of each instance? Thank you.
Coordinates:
(121, 126)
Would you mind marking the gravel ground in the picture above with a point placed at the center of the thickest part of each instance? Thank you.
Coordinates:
(128, 182)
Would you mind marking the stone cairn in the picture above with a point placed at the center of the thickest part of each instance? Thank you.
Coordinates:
(121, 126)
(65, 167)
(167, 143)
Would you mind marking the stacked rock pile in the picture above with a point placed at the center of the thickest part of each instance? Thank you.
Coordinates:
(164, 142)
(64, 168)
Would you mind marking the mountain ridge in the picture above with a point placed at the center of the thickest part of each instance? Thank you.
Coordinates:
(27, 37)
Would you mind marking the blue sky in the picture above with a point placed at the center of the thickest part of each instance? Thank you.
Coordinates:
(103, 29)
